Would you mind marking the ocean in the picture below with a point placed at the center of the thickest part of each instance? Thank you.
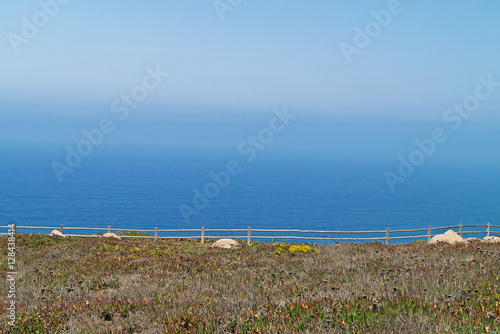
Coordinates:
(144, 188)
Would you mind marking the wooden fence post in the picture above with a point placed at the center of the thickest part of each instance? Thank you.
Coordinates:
(429, 234)
(62, 229)
(488, 229)
(461, 228)
(202, 235)
(387, 237)
(109, 228)
(156, 233)
(248, 236)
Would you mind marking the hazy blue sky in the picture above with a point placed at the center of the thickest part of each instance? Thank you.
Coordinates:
(225, 76)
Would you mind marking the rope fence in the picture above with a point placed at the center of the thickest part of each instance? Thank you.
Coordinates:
(249, 235)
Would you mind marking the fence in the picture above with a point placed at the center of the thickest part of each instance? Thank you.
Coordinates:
(249, 235)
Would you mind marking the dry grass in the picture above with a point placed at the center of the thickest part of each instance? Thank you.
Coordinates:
(95, 285)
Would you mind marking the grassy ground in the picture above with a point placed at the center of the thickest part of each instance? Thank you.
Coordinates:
(97, 285)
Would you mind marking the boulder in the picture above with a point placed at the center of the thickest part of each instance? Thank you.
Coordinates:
(493, 240)
(111, 235)
(472, 239)
(58, 233)
(449, 237)
(226, 244)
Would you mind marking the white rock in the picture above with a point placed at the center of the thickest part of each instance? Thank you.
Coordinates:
(111, 235)
(226, 244)
(449, 237)
(58, 233)
(491, 239)
(472, 239)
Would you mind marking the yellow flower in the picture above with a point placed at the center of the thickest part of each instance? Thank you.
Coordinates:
(303, 249)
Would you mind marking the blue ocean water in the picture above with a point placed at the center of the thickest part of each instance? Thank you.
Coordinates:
(138, 188)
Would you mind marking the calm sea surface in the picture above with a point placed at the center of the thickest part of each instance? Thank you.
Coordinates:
(142, 189)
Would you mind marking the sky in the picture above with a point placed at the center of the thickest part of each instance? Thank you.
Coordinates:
(222, 66)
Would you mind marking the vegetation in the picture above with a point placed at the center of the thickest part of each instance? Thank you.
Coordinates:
(98, 285)
(135, 234)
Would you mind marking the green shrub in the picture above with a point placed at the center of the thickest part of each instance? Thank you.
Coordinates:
(134, 234)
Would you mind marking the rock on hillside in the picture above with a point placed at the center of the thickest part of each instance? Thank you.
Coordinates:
(449, 237)
(111, 235)
(226, 244)
(58, 233)
(494, 239)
